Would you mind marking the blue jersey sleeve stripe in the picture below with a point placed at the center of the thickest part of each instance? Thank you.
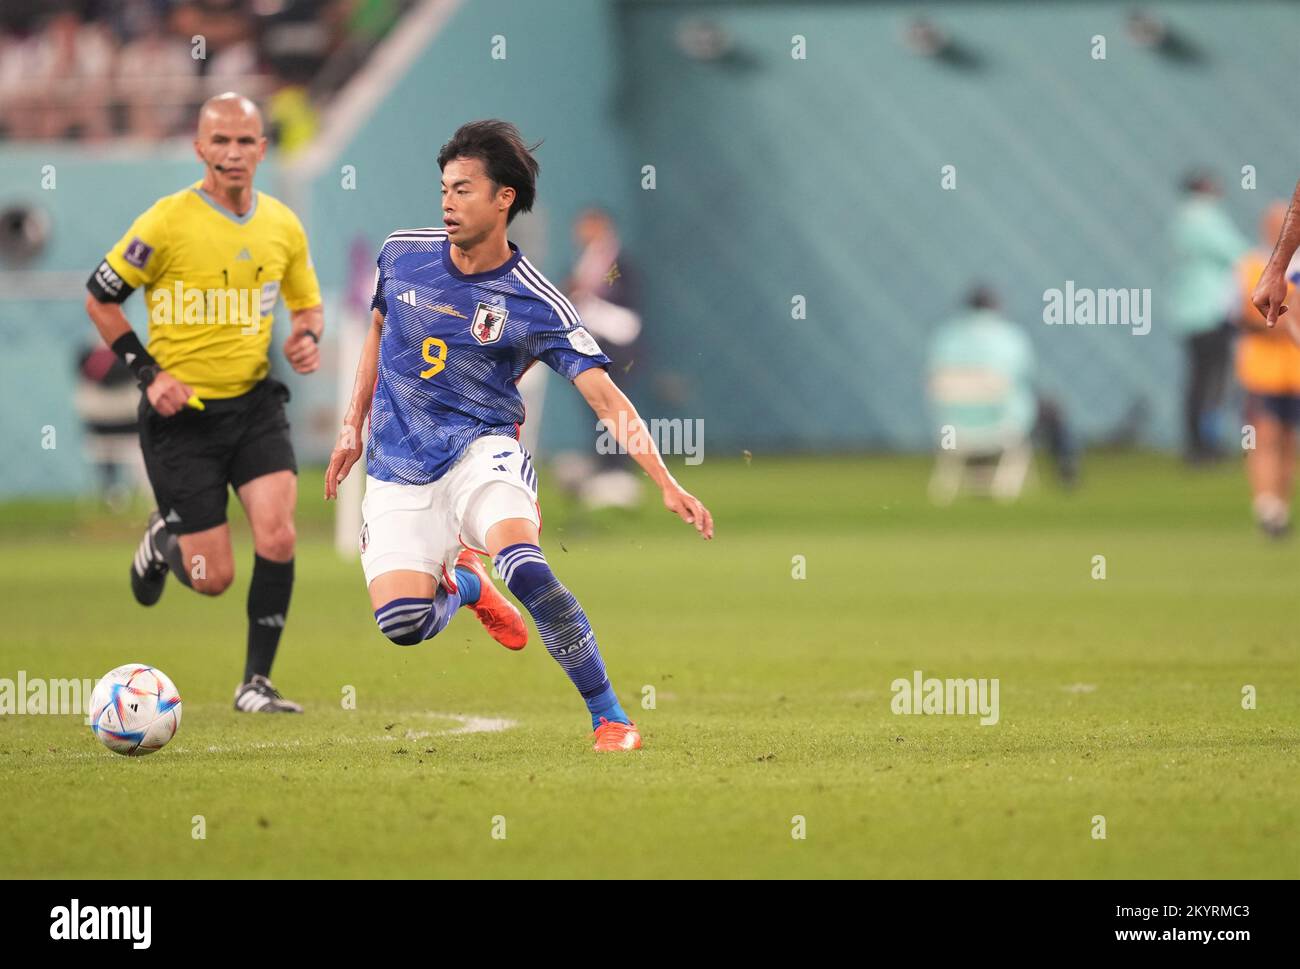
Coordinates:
(550, 287)
(555, 307)
(568, 320)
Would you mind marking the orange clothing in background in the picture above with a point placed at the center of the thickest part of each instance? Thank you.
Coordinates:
(1268, 360)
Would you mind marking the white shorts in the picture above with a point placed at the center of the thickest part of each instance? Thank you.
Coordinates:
(422, 528)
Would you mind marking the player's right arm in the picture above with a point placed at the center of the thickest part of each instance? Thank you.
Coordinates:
(1270, 292)
(348, 449)
(135, 261)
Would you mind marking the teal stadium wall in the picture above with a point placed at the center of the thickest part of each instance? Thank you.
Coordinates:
(822, 177)
(775, 177)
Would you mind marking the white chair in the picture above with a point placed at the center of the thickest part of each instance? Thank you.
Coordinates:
(984, 445)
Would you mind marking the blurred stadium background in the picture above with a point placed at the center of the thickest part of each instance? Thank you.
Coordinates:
(775, 177)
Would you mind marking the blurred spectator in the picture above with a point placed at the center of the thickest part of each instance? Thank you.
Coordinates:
(600, 287)
(71, 65)
(357, 26)
(107, 400)
(1206, 247)
(290, 113)
(98, 68)
(368, 20)
(19, 90)
(226, 27)
(156, 79)
(986, 406)
(1268, 366)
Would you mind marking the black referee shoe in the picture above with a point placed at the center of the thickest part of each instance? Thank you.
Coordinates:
(149, 568)
(259, 696)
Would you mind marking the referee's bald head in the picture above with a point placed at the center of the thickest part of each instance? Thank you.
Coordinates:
(230, 143)
(226, 108)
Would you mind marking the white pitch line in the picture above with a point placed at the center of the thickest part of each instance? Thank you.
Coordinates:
(468, 724)
(480, 725)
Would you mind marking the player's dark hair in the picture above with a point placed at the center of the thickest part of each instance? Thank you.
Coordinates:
(1200, 182)
(982, 297)
(505, 157)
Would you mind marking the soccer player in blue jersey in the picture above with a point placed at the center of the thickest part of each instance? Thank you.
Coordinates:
(458, 316)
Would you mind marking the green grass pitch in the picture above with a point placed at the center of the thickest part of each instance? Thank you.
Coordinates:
(1119, 697)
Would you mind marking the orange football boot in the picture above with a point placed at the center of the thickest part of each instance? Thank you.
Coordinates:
(617, 736)
(497, 613)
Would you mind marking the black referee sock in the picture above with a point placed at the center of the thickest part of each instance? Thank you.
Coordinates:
(268, 605)
(170, 546)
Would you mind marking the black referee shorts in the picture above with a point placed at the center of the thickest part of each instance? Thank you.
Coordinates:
(194, 456)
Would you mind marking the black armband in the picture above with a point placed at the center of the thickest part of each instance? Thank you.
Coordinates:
(107, 286)
(131, 352)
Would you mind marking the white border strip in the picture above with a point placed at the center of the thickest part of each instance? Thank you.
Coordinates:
(385, 66)
(43, 285)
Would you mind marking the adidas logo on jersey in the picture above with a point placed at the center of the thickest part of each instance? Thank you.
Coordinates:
(408, 297)
(243, 254)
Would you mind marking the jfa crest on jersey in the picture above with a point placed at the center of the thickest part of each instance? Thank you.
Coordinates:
(454, 346)
(489, 323)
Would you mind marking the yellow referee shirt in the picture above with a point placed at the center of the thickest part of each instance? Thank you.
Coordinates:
(211, 282)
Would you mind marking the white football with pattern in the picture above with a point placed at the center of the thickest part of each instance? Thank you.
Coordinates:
(135, 710)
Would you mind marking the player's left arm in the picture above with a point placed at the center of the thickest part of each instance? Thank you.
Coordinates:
(301, 292)
(619, 416)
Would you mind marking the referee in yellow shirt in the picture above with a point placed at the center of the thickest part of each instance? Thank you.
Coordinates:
(213, 259)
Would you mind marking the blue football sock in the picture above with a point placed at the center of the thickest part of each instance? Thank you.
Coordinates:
(468, 584)
(412, 620)
(606, 705)
(563, 626)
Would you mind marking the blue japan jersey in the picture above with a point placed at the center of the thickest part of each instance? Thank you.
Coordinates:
(453, 349)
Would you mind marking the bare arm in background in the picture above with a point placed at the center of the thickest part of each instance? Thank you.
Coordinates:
(1270, 293)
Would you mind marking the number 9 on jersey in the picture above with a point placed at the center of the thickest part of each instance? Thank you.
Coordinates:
(432, 346)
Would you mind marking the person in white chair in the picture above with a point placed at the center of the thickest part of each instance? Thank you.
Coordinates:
(981, 388)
